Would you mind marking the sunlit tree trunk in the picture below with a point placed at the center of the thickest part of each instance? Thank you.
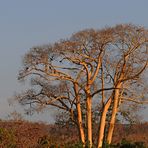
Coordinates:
(79, 117)
(89, 119)
(113, 116)
(102, 123)
(80, 123)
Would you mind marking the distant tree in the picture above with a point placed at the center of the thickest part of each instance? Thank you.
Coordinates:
(15, 116)
(93, 68)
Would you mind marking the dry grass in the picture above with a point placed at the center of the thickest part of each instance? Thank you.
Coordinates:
(27, 134)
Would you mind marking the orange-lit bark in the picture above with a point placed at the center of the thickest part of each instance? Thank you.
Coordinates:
(102, 123)
(79, 112)
(114, 112)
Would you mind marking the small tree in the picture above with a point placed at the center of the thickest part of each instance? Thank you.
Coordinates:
(15, 116)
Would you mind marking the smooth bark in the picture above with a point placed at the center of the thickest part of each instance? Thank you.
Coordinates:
(113, 116)
(79, 112)
(89, 119)
(103, 123)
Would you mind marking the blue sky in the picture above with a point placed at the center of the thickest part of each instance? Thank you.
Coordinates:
(27, 23)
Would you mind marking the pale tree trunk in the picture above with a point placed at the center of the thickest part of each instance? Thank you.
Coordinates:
(90, 80)
(89, 119)
(79, 117)
(113, 116)
(102, 123)
(80, 124)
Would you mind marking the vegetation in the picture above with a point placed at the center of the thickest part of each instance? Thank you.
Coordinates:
(7, 138)
(95, 76)
(22, 134)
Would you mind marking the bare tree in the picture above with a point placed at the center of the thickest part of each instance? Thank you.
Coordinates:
(92, 67)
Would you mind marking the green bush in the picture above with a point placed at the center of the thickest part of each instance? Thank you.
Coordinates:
(7, 138)
(127, 144)
(74, 145)
(46, 142)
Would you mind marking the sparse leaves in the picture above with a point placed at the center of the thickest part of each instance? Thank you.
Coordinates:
(91, 67)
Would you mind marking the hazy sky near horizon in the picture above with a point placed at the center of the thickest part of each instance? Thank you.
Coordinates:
(27, 23)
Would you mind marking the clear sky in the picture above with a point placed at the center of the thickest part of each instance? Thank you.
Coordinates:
(26, 23)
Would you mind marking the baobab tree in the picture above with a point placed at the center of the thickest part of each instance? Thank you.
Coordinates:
(91, 67)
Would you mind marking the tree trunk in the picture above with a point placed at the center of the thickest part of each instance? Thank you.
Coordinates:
(89, 119)
(80, 123)
(102, 123)
(114, 112)
(79, 117)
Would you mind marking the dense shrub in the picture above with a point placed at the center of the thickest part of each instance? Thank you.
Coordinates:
(127, 144)
(7, 138)
(39, 135)
(47, 142)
